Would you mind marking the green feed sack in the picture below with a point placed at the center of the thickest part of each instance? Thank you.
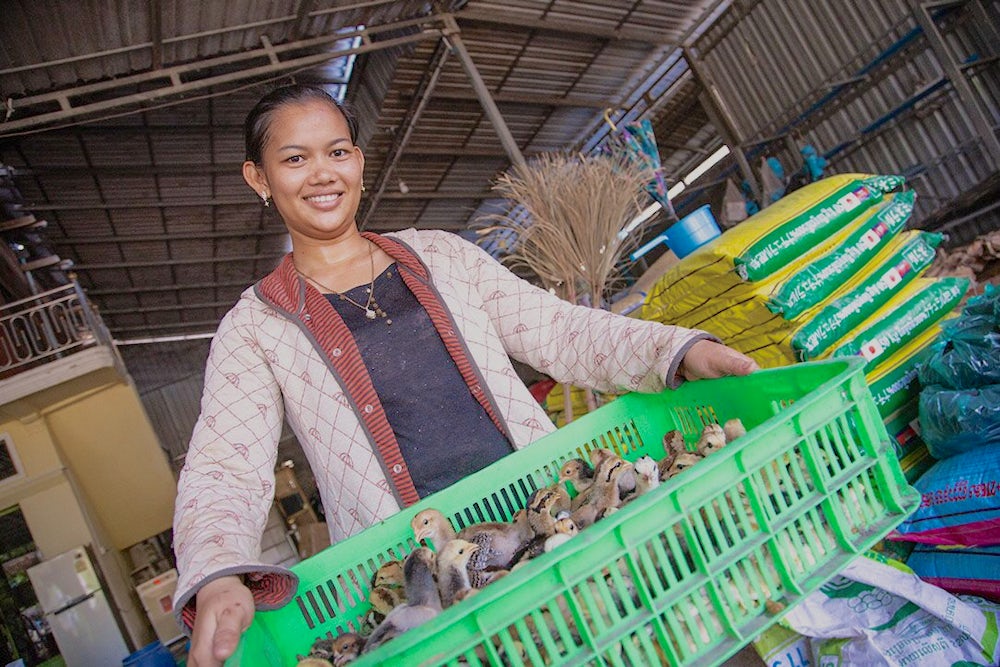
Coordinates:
(710, 272)
(877, 340)
(804, 227)
(821, 278)
(835, 320)
(899, 385)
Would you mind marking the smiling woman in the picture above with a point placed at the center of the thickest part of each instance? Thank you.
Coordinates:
(389, 356)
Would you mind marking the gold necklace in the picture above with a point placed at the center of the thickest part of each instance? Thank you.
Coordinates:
(371, 307)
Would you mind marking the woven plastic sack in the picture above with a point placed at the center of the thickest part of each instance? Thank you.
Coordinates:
(877, 612)
(894, 382)
(960, 502)
(954, 421)
(798, 228)
(807, 219)
(959, 570)
(878, 339)
(841, 315)
(819, 279)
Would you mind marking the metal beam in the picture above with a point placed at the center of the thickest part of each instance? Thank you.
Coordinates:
(171, 84)
(145, 238)
(562, 26)
(175, 262)
(501, 98)
(718, 114)
(166, 288)
(214, 324)
(454, 40)
(105, 312)
(980, 120)
(242, 201)
(408, 124)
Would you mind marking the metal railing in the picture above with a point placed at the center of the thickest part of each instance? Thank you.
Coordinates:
(48, 326)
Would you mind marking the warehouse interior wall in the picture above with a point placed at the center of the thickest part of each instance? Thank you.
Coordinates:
(91, 473)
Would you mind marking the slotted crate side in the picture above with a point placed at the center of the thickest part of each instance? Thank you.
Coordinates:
(680, 575)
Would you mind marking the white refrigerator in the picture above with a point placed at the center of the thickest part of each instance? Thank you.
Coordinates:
(78, 610)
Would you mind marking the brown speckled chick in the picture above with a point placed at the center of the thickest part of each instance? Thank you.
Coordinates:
(604, 495)
(577, 472)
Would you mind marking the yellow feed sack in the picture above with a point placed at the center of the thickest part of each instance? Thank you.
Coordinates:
(796, 228)
(904, 258)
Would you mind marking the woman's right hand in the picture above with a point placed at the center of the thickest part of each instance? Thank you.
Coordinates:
(225, 609)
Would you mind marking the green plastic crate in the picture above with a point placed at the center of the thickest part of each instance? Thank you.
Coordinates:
(680, 576)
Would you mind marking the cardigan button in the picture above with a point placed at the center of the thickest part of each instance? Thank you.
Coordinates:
(337, 352)
(307, 317)
(368, 409)
(397, 468)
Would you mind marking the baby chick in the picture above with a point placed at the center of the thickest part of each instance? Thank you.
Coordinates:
(579, 472)
(712, 439)
(498, 542)
(647, 475)
(542, 507)
(603, 496)
(386, 590)
(733, 429)
(346, 648)
(566, 529)
(452, 570)
(683, 462)
(423, 602)
(314, 662)
(673, 446)
(626, 479)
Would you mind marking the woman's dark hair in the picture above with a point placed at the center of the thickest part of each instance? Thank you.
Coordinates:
(258, 122)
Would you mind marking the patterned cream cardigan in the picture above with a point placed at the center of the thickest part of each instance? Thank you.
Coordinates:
(283, 352)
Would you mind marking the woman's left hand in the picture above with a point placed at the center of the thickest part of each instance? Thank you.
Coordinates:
(708, 359)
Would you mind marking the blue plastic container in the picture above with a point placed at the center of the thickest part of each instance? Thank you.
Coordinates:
(151, 655)
(692, 231)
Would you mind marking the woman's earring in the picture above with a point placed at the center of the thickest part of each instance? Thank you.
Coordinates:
(363, 188)
(266, 199)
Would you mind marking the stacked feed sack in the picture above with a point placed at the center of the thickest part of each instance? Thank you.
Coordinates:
(749, 261)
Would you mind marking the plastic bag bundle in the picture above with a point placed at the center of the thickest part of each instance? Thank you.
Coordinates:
(960, 402)
(954, 421)
(969, 354)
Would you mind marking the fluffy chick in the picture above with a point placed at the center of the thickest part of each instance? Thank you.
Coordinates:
(603, 496)
(452, 570)
(647, 475)
(542, 507)
(566, 529)
(346, 648)
(733, 429)
(712, 439)
(498, 542)
(423, 602)
(579, 473)
(682, 462)
(626, 479)
(673, 446)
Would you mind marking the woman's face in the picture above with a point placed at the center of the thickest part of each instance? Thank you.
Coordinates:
(311, 170)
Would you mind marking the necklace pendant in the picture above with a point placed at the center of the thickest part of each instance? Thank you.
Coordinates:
(369, 313)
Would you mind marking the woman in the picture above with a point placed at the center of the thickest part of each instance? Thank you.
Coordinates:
(378, 350)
